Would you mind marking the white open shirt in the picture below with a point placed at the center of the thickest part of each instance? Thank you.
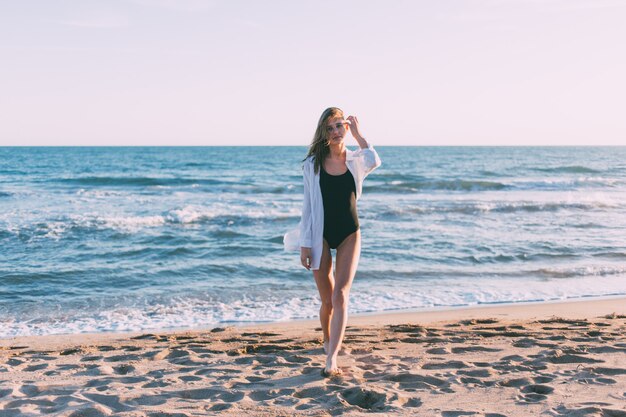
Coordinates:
(310, 230)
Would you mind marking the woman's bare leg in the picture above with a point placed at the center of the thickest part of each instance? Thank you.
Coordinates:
(325, 283)
(346, 262)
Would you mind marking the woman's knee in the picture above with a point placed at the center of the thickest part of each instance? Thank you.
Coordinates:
(340, 297)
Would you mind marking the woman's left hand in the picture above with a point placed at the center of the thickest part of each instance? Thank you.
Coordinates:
(354, 127)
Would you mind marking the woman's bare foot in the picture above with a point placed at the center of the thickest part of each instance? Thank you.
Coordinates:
(326, 347)
(332, 374)
(331, 368)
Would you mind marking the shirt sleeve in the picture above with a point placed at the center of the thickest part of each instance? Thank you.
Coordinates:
(369, 157)
(306, 221)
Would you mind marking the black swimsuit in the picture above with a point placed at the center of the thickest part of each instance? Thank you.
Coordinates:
(339, 198)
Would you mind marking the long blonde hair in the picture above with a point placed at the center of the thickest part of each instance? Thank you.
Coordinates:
(319, 145)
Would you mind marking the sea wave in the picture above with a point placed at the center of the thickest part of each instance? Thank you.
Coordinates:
(582, 271)
(136, 181)
(556, 184)
(533, 207)
(400, 186)
(484, 207)
(179, 312)
(221, 215)
(569, 169)
(616, 255)
(276, 303)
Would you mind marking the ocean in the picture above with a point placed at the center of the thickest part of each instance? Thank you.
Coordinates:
(108, 239)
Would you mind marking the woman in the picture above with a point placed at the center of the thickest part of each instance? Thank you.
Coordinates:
(333, 179)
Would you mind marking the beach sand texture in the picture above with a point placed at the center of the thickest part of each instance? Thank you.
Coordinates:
(509, 361)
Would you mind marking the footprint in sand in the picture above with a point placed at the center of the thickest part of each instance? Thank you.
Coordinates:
(559, 320)
(99, 384)
(254, 379)
(605, 381)
(438, 351)
(407, 328)
(413, 381)
(189, 378)
(111, 401)
(122, 358)
(366, 399)
(609, 371)
(543, 379)
(33, 368)
(362, 350)
(525, 343)
(72, 351)
(467, 349)
(413, 403)
(513, 358)
(445, 365)
(559, 357)
(91, 358)
(260, 334)
(264, 395)
(515, 382)
(68, 367)
(14, 362)
(473, 322)
(373, 359)
(211, 394)
(535, 393)
(312, 393)
(123, 369)
(95, 411)
(220, 407)
(106, 348)
(473, 377)
(177, 354)
(538, 389)
(156, 355)
(39, 390)
(307, 370)
(131, 348)
(144, 336)
(606, 349)
(297, 359)
(589, 411)
(156, 384)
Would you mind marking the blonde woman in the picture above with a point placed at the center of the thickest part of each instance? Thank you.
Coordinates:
(333, 180)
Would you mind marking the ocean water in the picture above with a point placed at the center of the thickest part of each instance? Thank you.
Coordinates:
(129, 239)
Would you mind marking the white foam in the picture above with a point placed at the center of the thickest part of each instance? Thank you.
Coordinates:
(191, 214)
(131, 223)
(274, 306)
(47, 228)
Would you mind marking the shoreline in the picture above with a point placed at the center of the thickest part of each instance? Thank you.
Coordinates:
(568, 309)
(551, 358)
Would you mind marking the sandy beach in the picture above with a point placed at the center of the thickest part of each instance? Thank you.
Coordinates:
(552, 359)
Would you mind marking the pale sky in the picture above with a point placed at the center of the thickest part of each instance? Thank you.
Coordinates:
(235, 72)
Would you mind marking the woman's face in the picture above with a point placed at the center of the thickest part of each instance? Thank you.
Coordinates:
(336, 130)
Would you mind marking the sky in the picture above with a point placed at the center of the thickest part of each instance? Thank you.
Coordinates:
(235, 72)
